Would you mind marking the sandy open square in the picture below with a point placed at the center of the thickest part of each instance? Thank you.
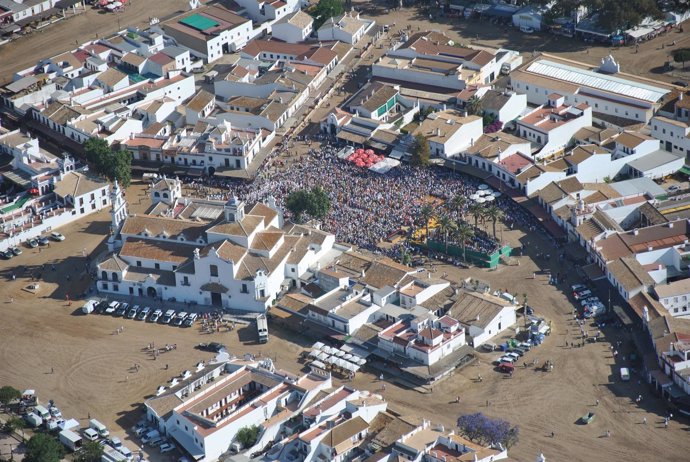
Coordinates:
(94, 374)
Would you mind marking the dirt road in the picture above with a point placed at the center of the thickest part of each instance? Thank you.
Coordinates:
(66, 34)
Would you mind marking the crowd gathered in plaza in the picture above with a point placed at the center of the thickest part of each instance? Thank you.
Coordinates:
(368, 207)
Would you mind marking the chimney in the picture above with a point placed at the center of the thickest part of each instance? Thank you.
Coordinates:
(438, 132)
(680, 97)
(636, 232)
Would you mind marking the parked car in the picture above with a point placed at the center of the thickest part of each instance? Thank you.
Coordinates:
(121, 310)
(101, 307)
(143, 313)
(190, 320)
(583, 294)
(57, 236)
(506, 367)
(213, 347)
(525, 346)
(112, 307)
(155, 316)
(179, 319)
(167, 317)
(526, 30)
(589, 301)
(674, 187)
(32, 243)
(505, 359)
(680, 83)
(132, 313)
(513, 355)
(16, 250)
(587, 418)
(488, 346)
(167, 448)
(43, 240)
(7, 254)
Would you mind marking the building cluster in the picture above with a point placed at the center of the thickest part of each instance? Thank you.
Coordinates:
(418, 322)
(299, 418)
(43, 191)
(265, 66)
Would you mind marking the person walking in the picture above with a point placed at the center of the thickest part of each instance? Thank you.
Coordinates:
(644, 421)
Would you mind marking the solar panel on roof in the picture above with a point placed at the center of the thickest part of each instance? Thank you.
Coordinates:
(595, 80)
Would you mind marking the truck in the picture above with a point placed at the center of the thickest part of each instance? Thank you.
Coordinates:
(42, 412)
(99, 427)
(33, 420)
(71, 440)
(512, 62)
(110, 454)
(262, 328)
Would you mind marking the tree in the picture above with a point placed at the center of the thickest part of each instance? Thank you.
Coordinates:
(326, 9)
(682, 55)
(420, 151)
(319, 204)
(114, 165)
(476, 210)
(405, 257)
(463, 233)
(91, 451)
(297, 203)
(458, 203)
(12, 424)
(474, 106)
(494, 214)
(426, 214)
(96, 150)
(43, 448)
(486, 431)
(315, 202)
(8, 394)
(247, 436)
(445, 227)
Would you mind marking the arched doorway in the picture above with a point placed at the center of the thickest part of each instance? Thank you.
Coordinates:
(211, 171)
(151, 292)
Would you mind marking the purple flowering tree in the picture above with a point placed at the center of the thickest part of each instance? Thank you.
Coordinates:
(485, 430)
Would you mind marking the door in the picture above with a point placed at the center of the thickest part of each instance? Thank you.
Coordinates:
(669, 146)
(216, 299)
(151, 292)
(141, 292)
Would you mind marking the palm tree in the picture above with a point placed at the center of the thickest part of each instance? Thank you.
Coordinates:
(494, 214)
(458, 203)
(463, 233)
(445, 227)
(476, 210)
(474, 106)
(426, 214)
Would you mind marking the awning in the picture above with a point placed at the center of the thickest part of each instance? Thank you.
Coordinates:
(214, 287)
(64, 4)
(662, 379)
(9, 29)
(18, 177)
(187, 444)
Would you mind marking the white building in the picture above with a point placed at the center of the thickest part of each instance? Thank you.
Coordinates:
(450, 133)
(671, 125)
(344, 308)
(293, 28)
(348, 28)
(675, 296)
(611, 95)
(483, 315)
(82, 194)
(423, 340)
(552, 126)
(504, 106)
(203, 410)
(209, 252)
(210, 31)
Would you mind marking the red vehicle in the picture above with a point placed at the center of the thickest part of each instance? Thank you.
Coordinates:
(508, 368)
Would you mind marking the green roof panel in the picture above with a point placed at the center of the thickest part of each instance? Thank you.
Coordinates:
(199, 22)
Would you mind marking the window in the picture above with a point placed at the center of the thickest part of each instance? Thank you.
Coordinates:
(185, 281)
(138, 262)
(105, 286)
(244, 289)
(116, 287)
(93, 196)
(157, 265)
(214, 270)
(174, 267)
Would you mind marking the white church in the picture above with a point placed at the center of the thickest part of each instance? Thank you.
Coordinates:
(208, 252)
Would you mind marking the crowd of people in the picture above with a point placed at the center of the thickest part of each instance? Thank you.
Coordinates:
(366, 207)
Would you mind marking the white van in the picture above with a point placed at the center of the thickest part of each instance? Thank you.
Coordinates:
(625, 374)
(99, 427)
(42, 412)
(90, 434)
(124, 450)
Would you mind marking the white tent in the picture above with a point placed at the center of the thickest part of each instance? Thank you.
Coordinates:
(318, 346)
(314, 353)
(328, 350)
(483, 186)
(321, 356)
(339, 353)
(481, 200)
(489, 198)
(348, 357)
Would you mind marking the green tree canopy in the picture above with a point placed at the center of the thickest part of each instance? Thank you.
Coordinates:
(682, 55)
(114, 165)
(315, 203)
(43, 448)
(13, 423)
(326, 9)
(247, 436)
(421, 154)
(91, 451)
(9, 394)
(474, 106)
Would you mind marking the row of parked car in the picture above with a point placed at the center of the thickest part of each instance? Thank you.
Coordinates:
(590, 303)
(506, 363)
(32, 244)
(125, 310)
(152, 437)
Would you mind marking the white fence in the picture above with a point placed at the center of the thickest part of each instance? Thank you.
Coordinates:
(47, 225)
